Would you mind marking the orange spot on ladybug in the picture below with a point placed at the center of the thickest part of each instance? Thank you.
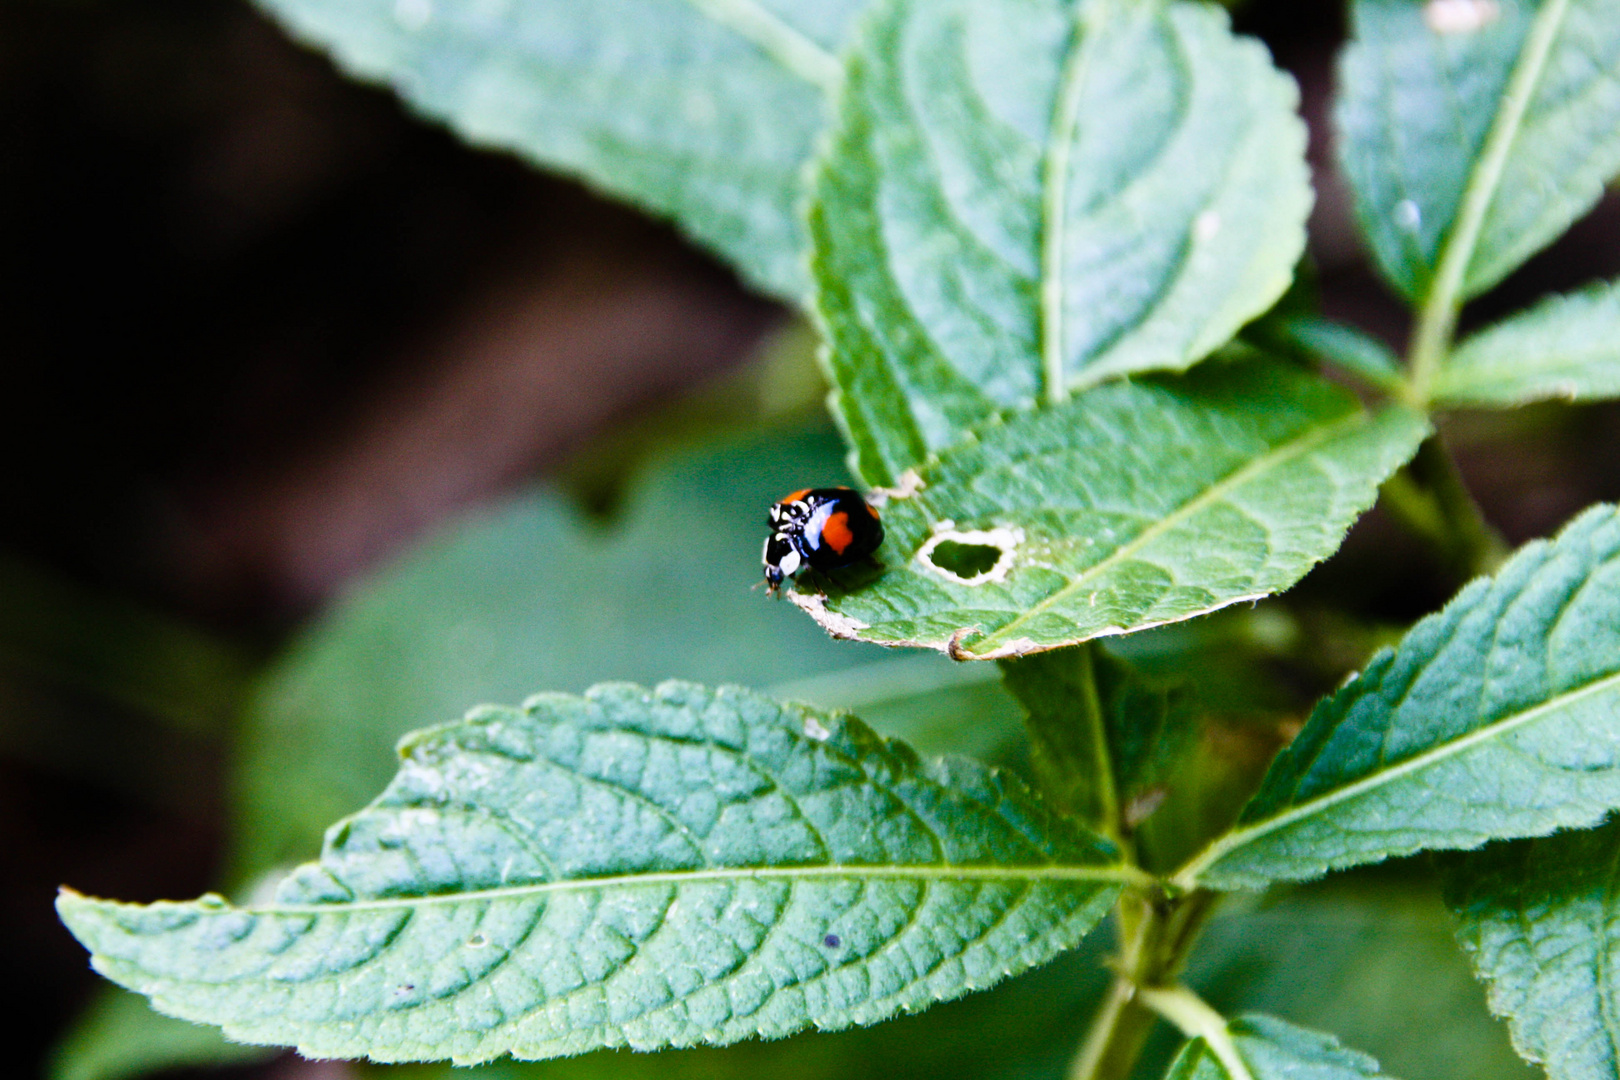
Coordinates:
(795, 496)
(870, 509)
(835, 533)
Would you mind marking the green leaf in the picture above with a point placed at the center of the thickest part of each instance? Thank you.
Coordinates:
(1353, 351)
(1368, 955)
(1104, 741)
(120, 1036)
(702, 110)
(631, 868)
(1565, 347)
(1134, 504)
(1270, 1049)
(1023, 197)
(1498, 717)
(1491, 125)
(1539, 919)
(534, 594)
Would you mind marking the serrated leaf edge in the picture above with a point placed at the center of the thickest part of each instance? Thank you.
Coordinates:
(1189, 875)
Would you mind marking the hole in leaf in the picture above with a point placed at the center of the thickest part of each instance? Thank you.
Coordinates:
(964, 560)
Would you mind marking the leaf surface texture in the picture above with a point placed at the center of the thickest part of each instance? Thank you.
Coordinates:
(1566, 347)
(1541, 920)
(629, 868)
(1419, 99)
(1024, 197)
(1498, 717)
(1134, 504)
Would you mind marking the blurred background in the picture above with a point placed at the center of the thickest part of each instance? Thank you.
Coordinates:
(318, 425)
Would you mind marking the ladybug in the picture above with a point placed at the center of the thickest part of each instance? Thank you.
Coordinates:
(822, 528)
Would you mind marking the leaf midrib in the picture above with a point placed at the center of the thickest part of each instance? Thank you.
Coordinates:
(1062, 131)
(1119, 873)
(782, 42)
(1205, 498)
(1237, 838)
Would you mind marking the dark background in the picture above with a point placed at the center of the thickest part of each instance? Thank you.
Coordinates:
(261, 328)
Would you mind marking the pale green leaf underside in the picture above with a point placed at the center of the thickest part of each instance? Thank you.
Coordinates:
(1416, 109)
(631, 868)
(1498, 717)
(1134, 504)
(1541, 921)
(1027, 196)
(705, 111)
(1274, 1050)
(1565, 347)
(1102, 737)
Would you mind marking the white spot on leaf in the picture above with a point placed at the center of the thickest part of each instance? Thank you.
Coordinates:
(1407, 215)
(1205, 226)
(814, 729)
(909, 484)
(1460, 16)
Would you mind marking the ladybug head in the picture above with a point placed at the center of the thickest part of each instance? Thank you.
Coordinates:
(782, 560)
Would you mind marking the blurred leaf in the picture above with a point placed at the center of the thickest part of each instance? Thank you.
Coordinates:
(531, 594)
(1023, 197)
(1104, 741)
(1539, 919)
(120, 1036)
(1565, 347)
(1513, 105)
(1272, 1050)
(1498, 717)
(935, 706)
(1134, 504)
(702, 110)
(1322, 339)
(1369, 956)
(630, 868)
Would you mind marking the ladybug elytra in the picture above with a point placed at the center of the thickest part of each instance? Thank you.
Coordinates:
(822, 528)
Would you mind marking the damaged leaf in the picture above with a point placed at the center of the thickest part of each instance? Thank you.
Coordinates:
(1132, 505)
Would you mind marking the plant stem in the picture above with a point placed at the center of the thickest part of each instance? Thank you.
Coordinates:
(1156, 933)
(1429, 497)
(1197, 1020)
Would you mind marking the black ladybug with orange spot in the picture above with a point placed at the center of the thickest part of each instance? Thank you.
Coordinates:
(822, 528)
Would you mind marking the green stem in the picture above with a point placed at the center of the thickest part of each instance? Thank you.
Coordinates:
(1157, 934)
(1437, 321)
(1197, 1020)
(1097, 727)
